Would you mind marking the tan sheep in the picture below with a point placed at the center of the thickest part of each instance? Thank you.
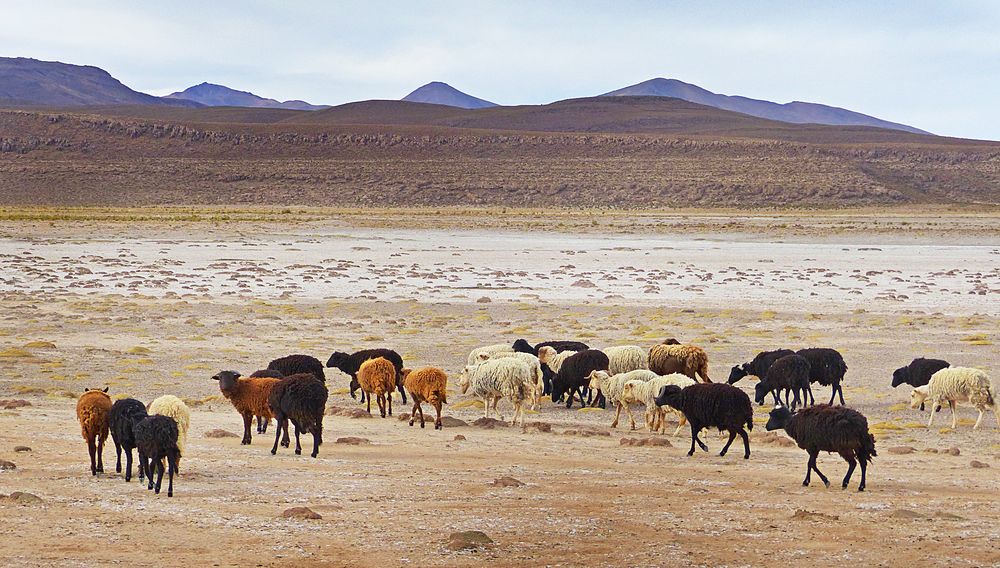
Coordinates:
(428, 384)
(689, 360)
(378, 377)
(92, 411)
(957, 384)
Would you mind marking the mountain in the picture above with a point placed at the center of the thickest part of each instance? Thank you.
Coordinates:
(438, 93)
(219, 95)
(26, 81)
(794, 112)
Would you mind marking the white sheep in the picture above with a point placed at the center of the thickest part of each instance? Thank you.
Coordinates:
(498, 378)
(644, 392)
(490, 350)
(552, 358)
(625, 358)
(170, 405)
(536, 388)
(953, 385)
(613, 385)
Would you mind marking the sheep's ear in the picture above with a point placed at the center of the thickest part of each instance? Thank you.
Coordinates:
(484, 357)
(237, 375)
(106, 389)
(215, 378)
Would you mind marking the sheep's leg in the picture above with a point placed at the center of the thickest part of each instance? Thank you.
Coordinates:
(159, 475)
(933, 410)
(118, 456)
(369, 402)
(141, 465)
(92, 449)
(100, 453)
(277, 433)
(813, 454)
(954, 415)
(247, 422)
(486, 406)
(996, 411)
(171, 469)
(437, 421)
(732, 436)
(496, 407)
(848, 456)
(864, 472)
(631, 419)
(812, 400)
(413, 413)
(980, 419)
(694, 436)
(389, 400)
(420, 409)
(399, 387)
(746, 443)
(150, 473)
(128, 465)
(840, 391)
(298, 444)
(680, 424)
(618, 414)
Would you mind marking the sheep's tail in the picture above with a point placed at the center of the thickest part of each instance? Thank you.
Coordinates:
(441, 396)
(990, 401)
(867, 449)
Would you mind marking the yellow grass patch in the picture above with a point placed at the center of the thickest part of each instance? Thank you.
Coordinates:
(40, 345)
(977, 339)
(15, 353)
(899, 406)
(589, 409)
(196, 367)
(472, 403)
(139, 350)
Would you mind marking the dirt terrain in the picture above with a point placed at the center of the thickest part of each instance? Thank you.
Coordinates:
(158, 306)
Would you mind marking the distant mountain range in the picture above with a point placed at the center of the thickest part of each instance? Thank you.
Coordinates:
(29, 82)
(438, 93)
(217, 95)
(794, 112)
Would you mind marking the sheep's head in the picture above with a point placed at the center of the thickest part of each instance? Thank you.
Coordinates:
(669, 395)
(465, 379)
(337, 359)
(918, 396)
(97, 390)
(737, 373)
(670, 341)
(779, 417)
(900, 376)
(596, 378)
(227, 379)
(760, 391)
(522, 346)
(405, 372)
(546, 353)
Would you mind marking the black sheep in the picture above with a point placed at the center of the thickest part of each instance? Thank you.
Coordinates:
(295, 364)
(124, 415)
(825, 428)
(300, 399)
(349, 363)
(826, 367)
(522, 346)
(573, 374)
(708, 405)
(918, 373)
(267, 374)
(789, 374)
(156, 440)
(759, 366)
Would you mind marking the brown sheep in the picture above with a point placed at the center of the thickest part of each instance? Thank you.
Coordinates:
(689, 360)
(378, 377)
(429, 385)
(249, 397)
(92, 411)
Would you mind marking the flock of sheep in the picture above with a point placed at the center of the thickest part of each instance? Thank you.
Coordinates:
(670, 378)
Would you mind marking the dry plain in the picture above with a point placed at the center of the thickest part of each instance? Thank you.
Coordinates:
(149, 303)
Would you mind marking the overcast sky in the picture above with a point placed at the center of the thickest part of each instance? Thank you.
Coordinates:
(933, 65)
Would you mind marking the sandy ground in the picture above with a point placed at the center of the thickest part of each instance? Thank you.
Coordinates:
(151, 308)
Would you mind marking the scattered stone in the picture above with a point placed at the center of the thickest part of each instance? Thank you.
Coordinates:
(452, 422)
(586, 433)
(301, 513)
(906, 514)
(507, 481)
(489, 423)
(948, 516)
(20, 449)
(468, 540)
(776, 439)
(953, 451)
(403, 417)
(803, 515)
(540, 426)
(657, 442)
(4, 464)
(931, 451)
(220, 433)
(978, 464)
(347, 412)
(11, 404)
(353, 441)
(901, 450)
(21, 498)
(459, 438)
(483, 300)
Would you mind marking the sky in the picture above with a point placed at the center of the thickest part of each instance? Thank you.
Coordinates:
(933, 65)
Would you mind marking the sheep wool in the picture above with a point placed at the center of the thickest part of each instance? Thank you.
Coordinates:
(170, 405)
(504, 377)
(249, 398)
(957, 384)
(430, 385)
(536, 386)
(378, 377)
(689, 360)
(625, 358)
(92, 410)
(489, 350)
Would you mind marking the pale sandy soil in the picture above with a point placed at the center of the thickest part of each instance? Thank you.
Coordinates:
(588, 500)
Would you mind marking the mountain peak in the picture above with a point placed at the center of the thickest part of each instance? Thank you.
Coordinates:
(211, 94)
(439, 93)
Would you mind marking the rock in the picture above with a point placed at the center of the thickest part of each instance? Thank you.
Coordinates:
(347, 412)
(948, 516)
(775, 439)
(301, 513)
(452, 422)
(539, 426)
(659, 442)
(901, 450)
(405, 416)
(952, 451)
(468, 540)
(586, 433)
(21, 498)
(20, 449)
(483, 300)
(220, 433)
(906, 514)
(507, 481)
(4, 464)
(459, 438)
(353, 441)
(11, 404)
(803, 515)
(978, 464)
(489, 423)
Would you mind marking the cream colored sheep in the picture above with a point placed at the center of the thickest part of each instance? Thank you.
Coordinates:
(954, 385)
(625, 358)
(488, 349)
(170, 405)
(554, 360)
(613, 385)
(496, 379)
(644, 392)
(536, 388)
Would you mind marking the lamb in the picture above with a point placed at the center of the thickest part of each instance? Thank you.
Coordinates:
(157, 437)
(957, 384)
(350, 363)
(711, 404)
(300, 399)
(826, 428)
(170, 405)
(489, 350)
(430, 385)
(758, 366)
(536, 387)
(788, 374)
(826, 367)
(122, 419)
(293, 364)
(92, 410)
(377, 377)
(918, 373)
(248, 396)
(495, 379)
(573, 371)
(690, 360)
(644, 392)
